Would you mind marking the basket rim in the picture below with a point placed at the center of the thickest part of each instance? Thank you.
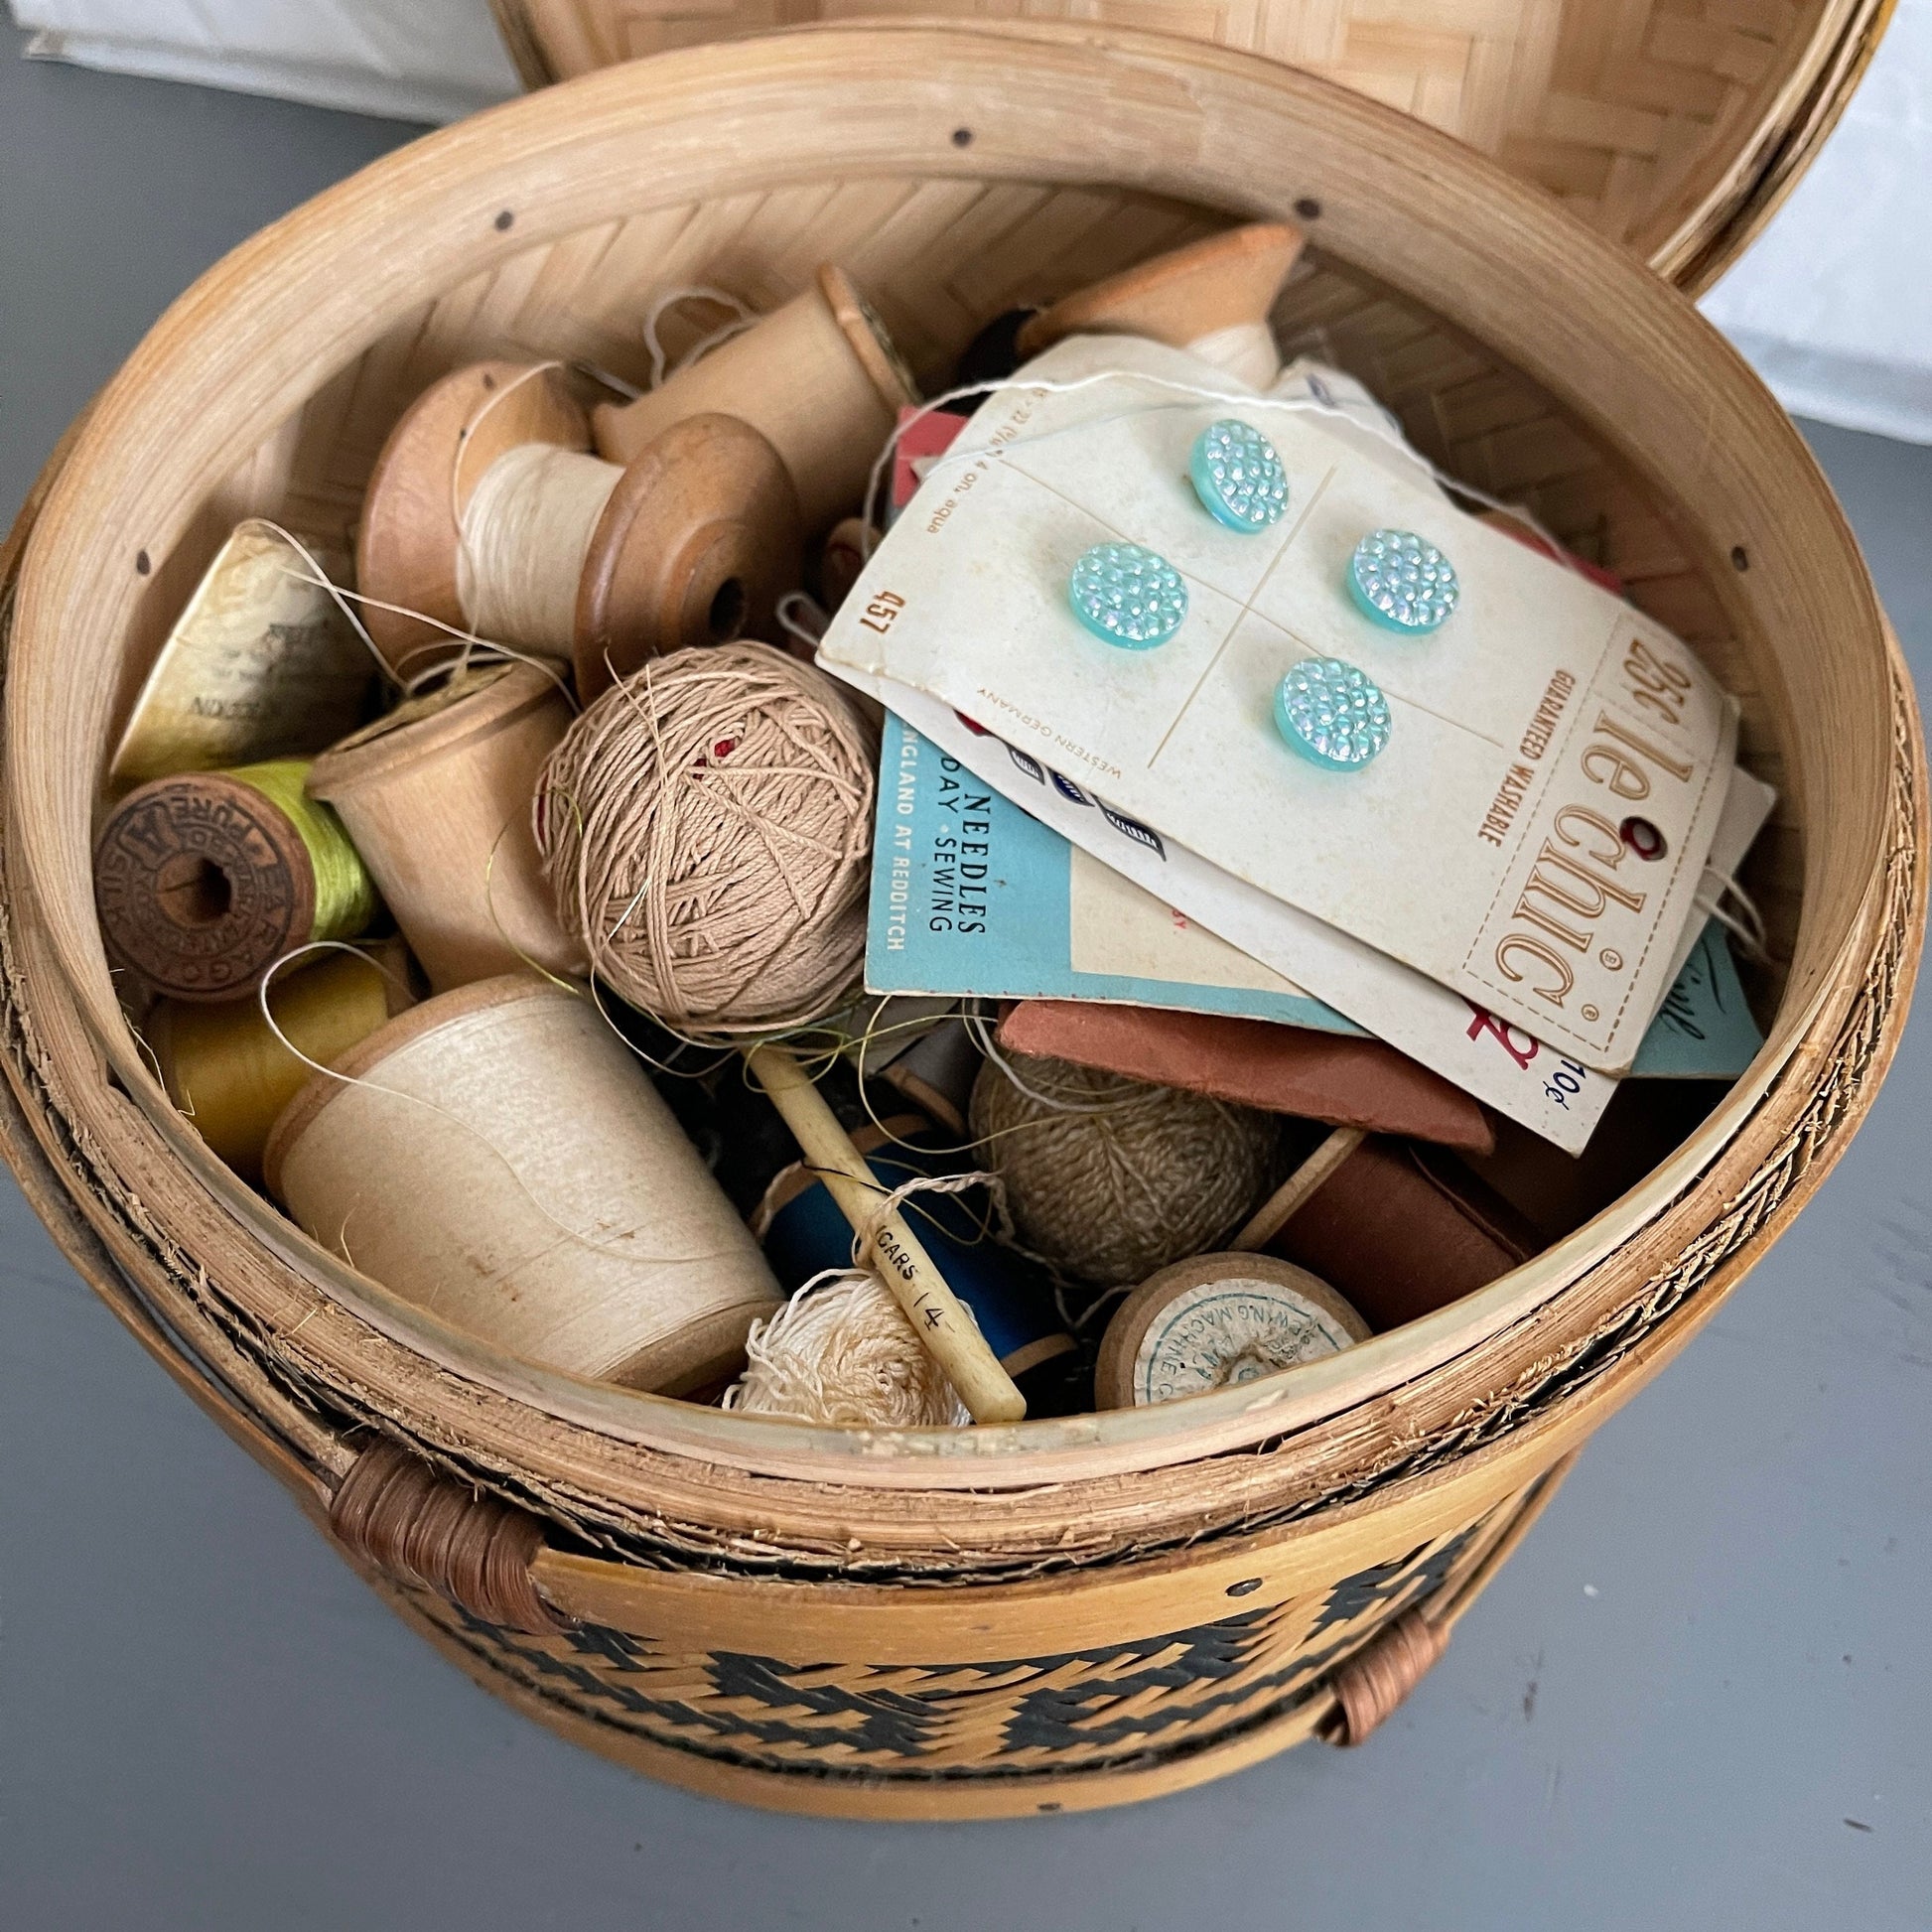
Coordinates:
(1692, 240)
(67, 970)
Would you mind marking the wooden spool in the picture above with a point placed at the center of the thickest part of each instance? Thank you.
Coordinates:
(819, 377)
(504, 1162)
(1131, 1559)
(437, 797)
(1189, 298)
(203, 883)
(694, 546)
(1218, 1321)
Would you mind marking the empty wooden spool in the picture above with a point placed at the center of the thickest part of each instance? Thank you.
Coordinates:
(819, 377)
(1214, 297)
(694, 544)
(437, 796)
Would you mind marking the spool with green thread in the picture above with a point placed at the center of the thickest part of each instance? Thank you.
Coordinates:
(203, 880)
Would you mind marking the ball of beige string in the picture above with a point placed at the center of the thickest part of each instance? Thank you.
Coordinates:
(1110, 1179)
(706, 827)
(843, 1354)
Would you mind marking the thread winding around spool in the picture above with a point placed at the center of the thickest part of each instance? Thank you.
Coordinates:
(1110, 1179)
(496, 1157)
(487, 516)
(841, 1352)
(205, 880)
(706, 826)
(1217, 1321)
(525, 538)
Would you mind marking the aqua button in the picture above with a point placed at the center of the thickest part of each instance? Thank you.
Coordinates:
(1126, 594)
(1238, 477)
(1333, 713)
(1400, 582)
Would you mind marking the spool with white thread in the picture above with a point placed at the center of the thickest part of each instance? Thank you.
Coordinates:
(818, 377)
(486, 513)
(498, 1156)
(1211, 297)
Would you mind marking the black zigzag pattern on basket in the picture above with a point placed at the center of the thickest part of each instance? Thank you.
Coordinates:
(1150, 1699)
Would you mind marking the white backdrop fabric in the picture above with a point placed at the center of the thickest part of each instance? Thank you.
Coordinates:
(1833, 305)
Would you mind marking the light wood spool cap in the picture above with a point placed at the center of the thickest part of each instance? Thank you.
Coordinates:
(697, 544)
(508, 1166)
(1179, 297)
(818, 377)
(201, 883)
(406, 549)
(1166, 1339)
(437, 797)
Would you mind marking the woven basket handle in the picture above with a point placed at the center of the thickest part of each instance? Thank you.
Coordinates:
(399, 1516)
(1371, 1686)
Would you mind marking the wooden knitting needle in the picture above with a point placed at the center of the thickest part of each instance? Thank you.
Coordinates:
(938, 1317)
(1272, 1215)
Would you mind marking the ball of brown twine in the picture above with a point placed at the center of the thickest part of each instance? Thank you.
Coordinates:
(1110, 1179)
(706, 827)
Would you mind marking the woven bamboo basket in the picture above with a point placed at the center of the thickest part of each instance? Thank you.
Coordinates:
(1056, 1614)
(1677, 126)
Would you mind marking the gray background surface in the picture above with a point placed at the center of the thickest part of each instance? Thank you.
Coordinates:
(1698, 1698)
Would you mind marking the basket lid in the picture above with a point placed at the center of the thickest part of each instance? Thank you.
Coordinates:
(1677, 126)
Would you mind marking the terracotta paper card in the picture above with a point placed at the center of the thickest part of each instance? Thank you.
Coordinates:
(1480, 849)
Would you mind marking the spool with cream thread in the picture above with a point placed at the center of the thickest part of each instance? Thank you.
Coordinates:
(204, 881)
(499, 1158)
(1211, 297)
(224, 1068)
(1215, 1322)
(819, 377)
(487, 514)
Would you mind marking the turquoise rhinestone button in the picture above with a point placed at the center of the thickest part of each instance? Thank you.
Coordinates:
(1238, 477)
(1400, 582)
(1127, 596)
(1331, 713)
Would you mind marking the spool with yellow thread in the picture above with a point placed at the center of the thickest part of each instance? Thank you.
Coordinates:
(224, 1068)
(205, 880)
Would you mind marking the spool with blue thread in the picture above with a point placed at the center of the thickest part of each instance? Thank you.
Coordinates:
(1012, 1298)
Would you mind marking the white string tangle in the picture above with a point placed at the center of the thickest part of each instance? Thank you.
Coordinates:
(801, 615)
(474, 647)
(1745, 924)
(744, 316)
(1189, 394)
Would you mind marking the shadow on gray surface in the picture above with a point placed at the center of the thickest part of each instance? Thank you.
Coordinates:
(1697, 1699)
